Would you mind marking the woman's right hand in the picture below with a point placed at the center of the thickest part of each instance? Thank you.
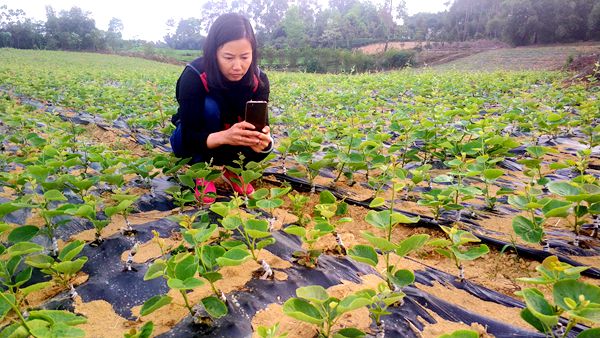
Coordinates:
(239, 134)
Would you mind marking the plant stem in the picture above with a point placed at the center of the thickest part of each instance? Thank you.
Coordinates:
(187, 303)
(16, 309)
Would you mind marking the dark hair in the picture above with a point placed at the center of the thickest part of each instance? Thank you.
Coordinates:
(228, 27)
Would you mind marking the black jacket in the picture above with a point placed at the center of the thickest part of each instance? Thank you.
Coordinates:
(190, 93)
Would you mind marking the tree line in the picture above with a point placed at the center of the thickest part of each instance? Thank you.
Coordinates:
(342, 24)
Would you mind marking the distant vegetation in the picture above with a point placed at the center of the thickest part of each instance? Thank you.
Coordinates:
(306, 36)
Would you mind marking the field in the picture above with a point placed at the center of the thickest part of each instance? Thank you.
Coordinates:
(397, 204)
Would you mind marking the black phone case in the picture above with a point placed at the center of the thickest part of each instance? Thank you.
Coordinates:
(256, 113)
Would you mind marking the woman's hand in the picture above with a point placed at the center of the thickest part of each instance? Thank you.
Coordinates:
(241, 134)
(263, 140)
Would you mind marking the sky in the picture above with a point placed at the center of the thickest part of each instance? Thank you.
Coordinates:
(147, 19)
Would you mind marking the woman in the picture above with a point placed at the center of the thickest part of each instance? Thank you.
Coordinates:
(212, 93)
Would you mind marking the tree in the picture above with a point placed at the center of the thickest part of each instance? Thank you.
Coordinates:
(187, 35)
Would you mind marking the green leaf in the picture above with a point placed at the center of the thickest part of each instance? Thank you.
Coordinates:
(414, 242)
(35, 287)
(528, 231)
(188, 284)
(7, 208)
(231, 222)
(379, 242)
(326, 197)
(214, 306)
(23, 248)
(471, 254)
(257, 228)
(314, 293)
(295, 230)
(59, 330)
(187, 181)
(590, 333)
(539, 307)
(528, 316)
(377, 202)
(71, 267)
(39, 261)
(154, 303)
(269, 204)
(264, 243)
(302, 310)
(556, 208)
(6, 306)
(563, 188)
(461, 334)
(185, 267)
(402, 278)
(582, 294)
(233, 257)
(349, 332)
(58, 316)
(492, 174)
(364, 254)
(54, 195)
(212, 276)
(71, 250)
(157, 269)
(23, 233)
(352, 302)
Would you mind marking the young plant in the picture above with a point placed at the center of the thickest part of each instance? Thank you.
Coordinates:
(123, 208)
(181, 197)
(579, 301)
(299, 202)
(552, 270)
(326, 216)
(270, 332)
(62, 268)
(88, 211)
(455, 248)
(530, 228)
(310, 256)
(145, 331)
(381, 299)
(181, 273)
(246, 173)
(269, 200)
(485, 168)
(255, 232)
(386, 221)
(201, 171)
(315, 306)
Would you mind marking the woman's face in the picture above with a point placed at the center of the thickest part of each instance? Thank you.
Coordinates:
(234, 59)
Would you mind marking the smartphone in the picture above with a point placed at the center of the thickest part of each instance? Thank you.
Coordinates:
(256, 113)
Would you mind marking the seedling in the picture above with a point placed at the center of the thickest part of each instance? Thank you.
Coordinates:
(200, 171)
(145, 331)
(310, 256)
(578, 300)
(270, 332)
(88, 211)
(455, 248)
(299, 202)
(246, 173)
(381, 299)
(269, 200)
(552, 270)
(255, 232)
(328, 208)
(62, 268)
(315, 306)
(123, 208)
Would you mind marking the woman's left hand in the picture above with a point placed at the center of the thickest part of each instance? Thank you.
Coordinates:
(263, 140)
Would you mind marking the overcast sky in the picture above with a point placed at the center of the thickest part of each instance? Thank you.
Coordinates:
(146, 19)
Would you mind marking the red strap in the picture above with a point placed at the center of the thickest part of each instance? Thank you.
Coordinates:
(205, 82)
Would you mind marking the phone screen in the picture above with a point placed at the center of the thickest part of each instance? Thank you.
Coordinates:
(256, 113)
